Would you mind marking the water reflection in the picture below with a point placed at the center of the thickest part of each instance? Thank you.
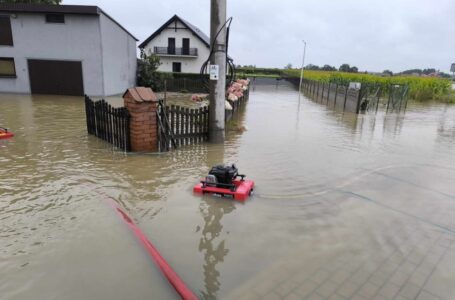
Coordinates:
(446, 127)
(393, 124)
(212, 243)
(312, 166)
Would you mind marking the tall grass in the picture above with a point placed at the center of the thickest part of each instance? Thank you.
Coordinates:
(420, 88)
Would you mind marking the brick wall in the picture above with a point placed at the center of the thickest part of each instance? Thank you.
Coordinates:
(143, 124)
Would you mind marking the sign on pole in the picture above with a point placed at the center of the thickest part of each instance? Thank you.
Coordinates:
(214, 72)
(452, 68)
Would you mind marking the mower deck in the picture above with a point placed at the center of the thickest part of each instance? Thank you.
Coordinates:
(240, 191)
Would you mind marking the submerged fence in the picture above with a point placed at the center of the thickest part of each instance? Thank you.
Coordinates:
(178, 126)
(366, 98)
(154, 125)
(108, 123)
(236, 104)
(181, 126)
(334, 95)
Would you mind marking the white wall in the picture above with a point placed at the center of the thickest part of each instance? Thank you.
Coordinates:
(77, 39)
(119, 57)
(189, 64)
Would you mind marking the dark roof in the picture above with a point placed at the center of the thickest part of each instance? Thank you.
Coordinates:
(194, 29)
(63, 9)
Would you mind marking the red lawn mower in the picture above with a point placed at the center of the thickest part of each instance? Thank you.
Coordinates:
(222, 181)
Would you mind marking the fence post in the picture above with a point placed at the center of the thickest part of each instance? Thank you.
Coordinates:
(346, 89)
(141, 104)
(328, 93)
(336, 93)
(359, 97)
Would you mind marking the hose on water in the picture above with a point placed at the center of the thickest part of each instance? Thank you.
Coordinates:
(179, 285)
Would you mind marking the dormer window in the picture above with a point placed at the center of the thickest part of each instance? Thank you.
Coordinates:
(55, 18)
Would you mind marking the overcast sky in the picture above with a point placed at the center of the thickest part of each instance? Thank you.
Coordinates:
(373, 35)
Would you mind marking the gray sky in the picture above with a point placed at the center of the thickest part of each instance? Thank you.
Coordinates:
(373, 35)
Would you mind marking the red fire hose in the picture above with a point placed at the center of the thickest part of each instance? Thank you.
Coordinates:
(165, 268)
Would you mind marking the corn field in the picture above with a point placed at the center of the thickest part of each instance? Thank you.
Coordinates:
(420, 88)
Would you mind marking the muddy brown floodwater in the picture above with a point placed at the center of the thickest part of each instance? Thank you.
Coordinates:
(346, 206)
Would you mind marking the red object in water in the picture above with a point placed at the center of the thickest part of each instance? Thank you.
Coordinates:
(5, 134)
(165, 268)
(243, 189)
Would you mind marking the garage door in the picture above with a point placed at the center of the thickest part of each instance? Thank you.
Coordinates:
(55, 77)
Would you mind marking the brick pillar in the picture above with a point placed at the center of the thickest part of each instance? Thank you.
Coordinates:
(142, 104)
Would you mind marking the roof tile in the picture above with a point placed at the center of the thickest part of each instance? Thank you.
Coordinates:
(141, 94)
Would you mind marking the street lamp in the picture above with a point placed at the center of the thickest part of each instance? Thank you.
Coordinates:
(303, 64)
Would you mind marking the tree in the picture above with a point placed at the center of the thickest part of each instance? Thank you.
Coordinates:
(353, 69)
(32, 1)
(412, 71)
(311, 67)
(387, 72)
(429, 71)
(147, 74)
(344, 68)
(444, 75)
(328, 68)
(288, 66)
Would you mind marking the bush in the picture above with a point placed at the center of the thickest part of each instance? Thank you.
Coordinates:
(253, 70)
(146, 74)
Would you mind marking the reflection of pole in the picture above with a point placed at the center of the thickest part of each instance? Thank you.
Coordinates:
(214, 251)
(303, 64)
(218, 61)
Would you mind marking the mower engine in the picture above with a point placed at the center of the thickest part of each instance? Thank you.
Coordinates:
(223, 174)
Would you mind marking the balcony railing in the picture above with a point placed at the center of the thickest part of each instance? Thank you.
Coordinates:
(175, 51)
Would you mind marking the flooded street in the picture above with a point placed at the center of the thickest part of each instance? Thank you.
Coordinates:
(345, 206)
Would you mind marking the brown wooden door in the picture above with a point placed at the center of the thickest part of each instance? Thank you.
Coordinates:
(55, 77)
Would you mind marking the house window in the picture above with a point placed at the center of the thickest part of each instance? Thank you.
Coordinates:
(55, 18)
(7, 68)
(6, 36)
(176, 67)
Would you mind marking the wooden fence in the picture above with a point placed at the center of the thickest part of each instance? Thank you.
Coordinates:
(186, 85)
(181, 126)
(108, 123)
(176, 125)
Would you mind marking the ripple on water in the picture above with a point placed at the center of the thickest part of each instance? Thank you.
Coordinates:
(310, 164)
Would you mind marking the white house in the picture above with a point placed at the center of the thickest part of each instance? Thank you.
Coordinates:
(64, 49)
(181, 46)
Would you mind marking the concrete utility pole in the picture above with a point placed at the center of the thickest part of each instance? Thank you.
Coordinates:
(303, 65)
(217, 71)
